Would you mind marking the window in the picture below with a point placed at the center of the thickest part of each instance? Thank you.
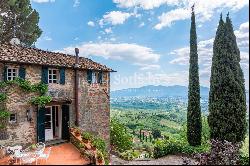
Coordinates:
(94, 77)
(53, 76)
(12, 73)
(12, 118)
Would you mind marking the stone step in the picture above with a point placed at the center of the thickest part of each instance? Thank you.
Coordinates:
(55, 142)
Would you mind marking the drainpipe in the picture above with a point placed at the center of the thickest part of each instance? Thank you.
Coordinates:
(77, 86)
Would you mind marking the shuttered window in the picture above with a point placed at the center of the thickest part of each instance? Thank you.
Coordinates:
(22, 72)
(62, 76)
(54, 76)
(12, 73)
(45, 75)
(94, 77)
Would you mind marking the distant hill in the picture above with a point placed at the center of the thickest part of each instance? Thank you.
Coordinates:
(156, 91)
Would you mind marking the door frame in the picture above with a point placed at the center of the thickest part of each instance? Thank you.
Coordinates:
(59, 121)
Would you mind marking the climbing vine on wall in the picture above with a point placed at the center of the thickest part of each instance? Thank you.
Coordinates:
(3, 97)
(3, 115)
(41, 88)
(41, 100)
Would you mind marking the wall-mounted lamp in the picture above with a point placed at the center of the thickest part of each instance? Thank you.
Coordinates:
(29, 115)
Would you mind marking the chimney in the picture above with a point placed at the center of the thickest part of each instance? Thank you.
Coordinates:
(77, 87)
(77, 57)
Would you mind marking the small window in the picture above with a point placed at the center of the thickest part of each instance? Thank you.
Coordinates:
(53, 76)
(12, 73)
(12, 118)
(94, 77)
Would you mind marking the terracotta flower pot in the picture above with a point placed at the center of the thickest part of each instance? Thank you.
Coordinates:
(71, 130)
(85, 141)
(100, 160)
(78, 134)
(93, 148)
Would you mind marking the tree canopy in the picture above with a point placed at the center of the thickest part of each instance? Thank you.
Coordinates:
(227, 98)
(18, 19)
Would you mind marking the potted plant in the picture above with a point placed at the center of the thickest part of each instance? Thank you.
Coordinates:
(33, 147)
(99, 157)
(71, 130)
(99, 144)
(90, 155)
(86, 137)
(77, 133)
(93, 147)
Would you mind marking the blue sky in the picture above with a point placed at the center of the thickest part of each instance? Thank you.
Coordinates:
(145, 41)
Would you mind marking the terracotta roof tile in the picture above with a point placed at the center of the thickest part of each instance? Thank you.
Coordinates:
(18, 54)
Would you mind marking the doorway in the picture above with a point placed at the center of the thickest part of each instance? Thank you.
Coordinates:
(52, 122)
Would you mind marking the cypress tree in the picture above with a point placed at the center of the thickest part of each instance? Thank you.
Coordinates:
(140, 135)
(194, 125)
(227, 98)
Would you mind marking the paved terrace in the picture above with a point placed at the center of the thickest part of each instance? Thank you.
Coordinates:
(64, 154)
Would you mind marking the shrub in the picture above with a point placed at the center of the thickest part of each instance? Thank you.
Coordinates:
(87, 136)
(99, 144)
(244, 159)
(129, 155)
(222, 153)
(119, 138)
(174, 145)
(156, 133)
(165, 147)
(244, 152)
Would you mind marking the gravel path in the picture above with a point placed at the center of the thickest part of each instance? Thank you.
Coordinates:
(168, 160)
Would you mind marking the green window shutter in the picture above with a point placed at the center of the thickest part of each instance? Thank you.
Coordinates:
(41, 125)
(22, 72)
(62, 76)
(5, 73)
(100, 77)
(44, 75)
(89, 76)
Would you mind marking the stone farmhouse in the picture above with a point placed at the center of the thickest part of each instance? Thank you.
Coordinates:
(79, 88)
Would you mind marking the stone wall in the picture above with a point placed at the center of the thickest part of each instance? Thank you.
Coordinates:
(94, 105)
(95, 108)
(22, 132)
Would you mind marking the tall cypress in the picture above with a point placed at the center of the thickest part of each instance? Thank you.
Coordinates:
(194, 124)
(227, 98)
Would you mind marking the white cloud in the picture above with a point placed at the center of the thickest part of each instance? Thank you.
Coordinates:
(113, 39)
(76, 3)
(91, 23)
(166, 19)
(243, 35)
(47, 38)
(205, 53)
(114, 18)
(145, 4)
(147, 66)
(108, 30)
(132, 53)
(43, 1)
(142, 24)
(204, 10)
